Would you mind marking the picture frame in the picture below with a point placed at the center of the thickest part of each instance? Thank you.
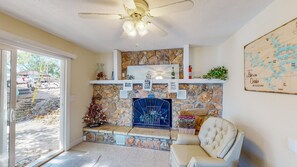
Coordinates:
(123, 94)
(173, 87)
(270, 61)
(128, 86)
(147, 85)
(181, 94)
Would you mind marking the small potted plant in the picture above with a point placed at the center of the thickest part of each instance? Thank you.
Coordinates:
(217, 73)
(94, 116)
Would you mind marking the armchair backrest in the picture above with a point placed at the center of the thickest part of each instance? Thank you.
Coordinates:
(232, 157)
(217, 136)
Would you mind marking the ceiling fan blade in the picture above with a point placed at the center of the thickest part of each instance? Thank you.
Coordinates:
(130, 4)
(178, 6)
(100, 15)
(153, 28)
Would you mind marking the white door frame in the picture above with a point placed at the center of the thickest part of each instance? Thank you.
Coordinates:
(65, 104)
(65, 93)
(4, 112)
(12, 99)
(13, 107)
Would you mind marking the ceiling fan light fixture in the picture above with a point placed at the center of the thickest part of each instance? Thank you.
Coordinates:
(132, 33)
(131, 28)
(143, 32)
(139, 14)
(128, 26)
(141, 28)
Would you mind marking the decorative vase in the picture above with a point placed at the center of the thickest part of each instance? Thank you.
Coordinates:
(99, 67)
(99, 72)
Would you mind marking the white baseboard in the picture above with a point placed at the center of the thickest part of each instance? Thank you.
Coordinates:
(76, 142)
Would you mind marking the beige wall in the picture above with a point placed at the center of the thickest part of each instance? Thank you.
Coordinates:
(107, 60)
(83, 68)
(268, 119)
(203, 59)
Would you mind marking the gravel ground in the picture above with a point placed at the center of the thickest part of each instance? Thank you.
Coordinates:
(37, 127)
(35, 138)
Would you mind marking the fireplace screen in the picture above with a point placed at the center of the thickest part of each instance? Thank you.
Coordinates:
(152, 113)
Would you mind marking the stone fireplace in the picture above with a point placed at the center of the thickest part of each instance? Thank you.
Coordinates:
(204, 97)
(136, 120)
(152, 113)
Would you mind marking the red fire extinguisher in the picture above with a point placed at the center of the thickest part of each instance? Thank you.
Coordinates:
(190, 72)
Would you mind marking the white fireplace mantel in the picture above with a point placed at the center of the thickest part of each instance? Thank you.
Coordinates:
(161, 81)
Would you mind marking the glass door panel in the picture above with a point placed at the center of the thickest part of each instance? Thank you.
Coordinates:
(38, 107)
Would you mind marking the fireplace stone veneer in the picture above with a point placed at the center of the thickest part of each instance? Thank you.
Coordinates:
(153, 57)
(203, 97)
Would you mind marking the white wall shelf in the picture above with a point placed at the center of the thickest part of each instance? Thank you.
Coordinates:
(161, 81)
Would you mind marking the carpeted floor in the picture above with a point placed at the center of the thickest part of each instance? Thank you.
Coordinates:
(104, 155)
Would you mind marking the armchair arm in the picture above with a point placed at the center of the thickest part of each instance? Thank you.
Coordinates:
(202, 161)
(187, 139)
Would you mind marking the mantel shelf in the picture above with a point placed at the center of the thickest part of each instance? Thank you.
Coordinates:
(161, 81)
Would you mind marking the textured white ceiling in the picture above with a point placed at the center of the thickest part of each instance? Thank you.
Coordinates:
(209, 22)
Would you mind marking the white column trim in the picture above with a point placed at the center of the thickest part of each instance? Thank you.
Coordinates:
(186, 60)
(117, 65)
(67, 79)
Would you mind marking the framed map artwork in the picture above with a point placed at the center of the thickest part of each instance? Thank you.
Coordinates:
(270, 62)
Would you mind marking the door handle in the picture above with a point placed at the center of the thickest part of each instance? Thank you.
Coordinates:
(12, 115)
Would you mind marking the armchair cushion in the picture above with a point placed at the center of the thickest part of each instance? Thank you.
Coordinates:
(182, 154)
(187, 139)
(217, 136)
(203, 161)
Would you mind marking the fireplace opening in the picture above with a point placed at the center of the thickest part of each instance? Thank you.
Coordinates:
(152, 113)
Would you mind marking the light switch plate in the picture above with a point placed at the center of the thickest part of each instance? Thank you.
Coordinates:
(292, 144)
(123, 94)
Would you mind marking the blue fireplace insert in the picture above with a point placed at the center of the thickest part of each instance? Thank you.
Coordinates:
(152, 113)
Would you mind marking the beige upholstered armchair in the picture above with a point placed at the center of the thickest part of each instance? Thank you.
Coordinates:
(218, 144)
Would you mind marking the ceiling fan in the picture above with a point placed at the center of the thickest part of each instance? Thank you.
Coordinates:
(139, 16)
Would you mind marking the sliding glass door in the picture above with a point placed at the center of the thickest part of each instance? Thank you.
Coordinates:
(6, 106)
(32, 106)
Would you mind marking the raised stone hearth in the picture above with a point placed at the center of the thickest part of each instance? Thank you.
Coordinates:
(149, 132)
(158, 139)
